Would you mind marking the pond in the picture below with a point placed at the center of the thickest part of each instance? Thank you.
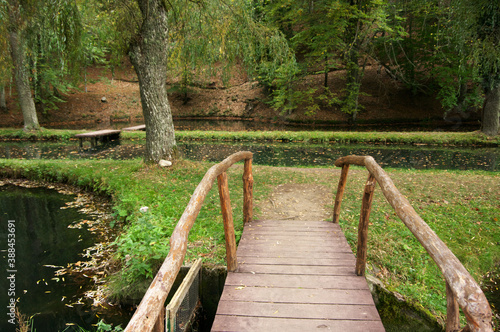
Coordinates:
(274, 154)
(35, 242)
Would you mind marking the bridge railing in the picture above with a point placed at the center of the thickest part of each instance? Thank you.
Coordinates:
(150, 315)
(462, 291)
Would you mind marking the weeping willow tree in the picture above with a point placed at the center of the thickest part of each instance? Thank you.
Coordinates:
(488, 59)
(53, 38)
(44, 42)
(5, 66)
(192, 38)
(16, 17)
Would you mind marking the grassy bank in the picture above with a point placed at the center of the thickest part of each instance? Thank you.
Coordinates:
(408, 138)
(462, 208)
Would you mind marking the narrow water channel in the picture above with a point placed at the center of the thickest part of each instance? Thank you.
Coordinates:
(274, 154)
(35, 242)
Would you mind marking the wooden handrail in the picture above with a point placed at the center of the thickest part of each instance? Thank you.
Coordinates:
(148, 311)
(461, 287)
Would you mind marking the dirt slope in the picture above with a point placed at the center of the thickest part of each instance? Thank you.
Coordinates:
(385, 99)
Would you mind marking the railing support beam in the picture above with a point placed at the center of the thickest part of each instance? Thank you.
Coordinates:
(247, 192)
(452, 311)
(160, 322)
(340, 193)
(364, 218)
(227, 216)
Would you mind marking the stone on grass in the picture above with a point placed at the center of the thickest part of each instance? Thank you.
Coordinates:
(165, 163)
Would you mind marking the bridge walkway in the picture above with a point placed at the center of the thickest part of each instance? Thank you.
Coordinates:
(295, 276)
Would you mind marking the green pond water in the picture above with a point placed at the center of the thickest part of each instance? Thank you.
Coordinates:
(43, 244)
(273, 154)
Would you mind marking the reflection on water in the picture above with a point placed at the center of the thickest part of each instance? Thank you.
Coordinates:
(274, 154)
(44, 244)
(451, 124)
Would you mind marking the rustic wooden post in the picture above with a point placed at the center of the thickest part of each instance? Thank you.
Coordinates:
(247, 192)
(364, 218)
(160, 322)
(340, 193)
(452, 311)
(227, 216)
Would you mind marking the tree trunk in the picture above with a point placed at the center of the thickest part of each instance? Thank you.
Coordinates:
(149, 56)
(3, 104)
(491, 112)
(20, 70)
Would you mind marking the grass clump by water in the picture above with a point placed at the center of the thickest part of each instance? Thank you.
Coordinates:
(328, 137)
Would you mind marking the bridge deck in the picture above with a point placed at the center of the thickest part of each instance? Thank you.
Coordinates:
(104, 135)
(295, 276)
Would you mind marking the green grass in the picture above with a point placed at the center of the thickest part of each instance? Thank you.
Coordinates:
(462, 207)
(143, 243)
(429, 138)
(408, 138)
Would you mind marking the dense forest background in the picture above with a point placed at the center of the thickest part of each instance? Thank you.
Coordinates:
(308, 57)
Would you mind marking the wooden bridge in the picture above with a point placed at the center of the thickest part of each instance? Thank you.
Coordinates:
(100, 135)
(295, 276)
(302, 275)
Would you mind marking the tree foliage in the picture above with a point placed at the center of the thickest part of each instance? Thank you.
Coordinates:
(333, 34)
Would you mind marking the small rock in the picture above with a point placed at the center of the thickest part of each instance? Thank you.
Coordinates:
(165, 163)
(104, 100)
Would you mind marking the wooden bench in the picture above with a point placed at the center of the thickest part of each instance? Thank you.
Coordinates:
(102, 135)
(139, 127)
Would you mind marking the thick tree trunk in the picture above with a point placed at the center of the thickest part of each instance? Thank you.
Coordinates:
(21, 72)
(149, 56)
(491, 112)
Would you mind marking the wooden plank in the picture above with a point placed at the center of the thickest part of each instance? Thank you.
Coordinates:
(302, 223)
(105, 132)
(239, 323)
(300, 295)
(294, 260)
(302, 251)
(139, 127)
(294, 236)
(297, 269)
(294, 242)
(295, 310)
(296, 281)
(287, 232)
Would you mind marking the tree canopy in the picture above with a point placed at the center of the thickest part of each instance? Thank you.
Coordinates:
(450, 49)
